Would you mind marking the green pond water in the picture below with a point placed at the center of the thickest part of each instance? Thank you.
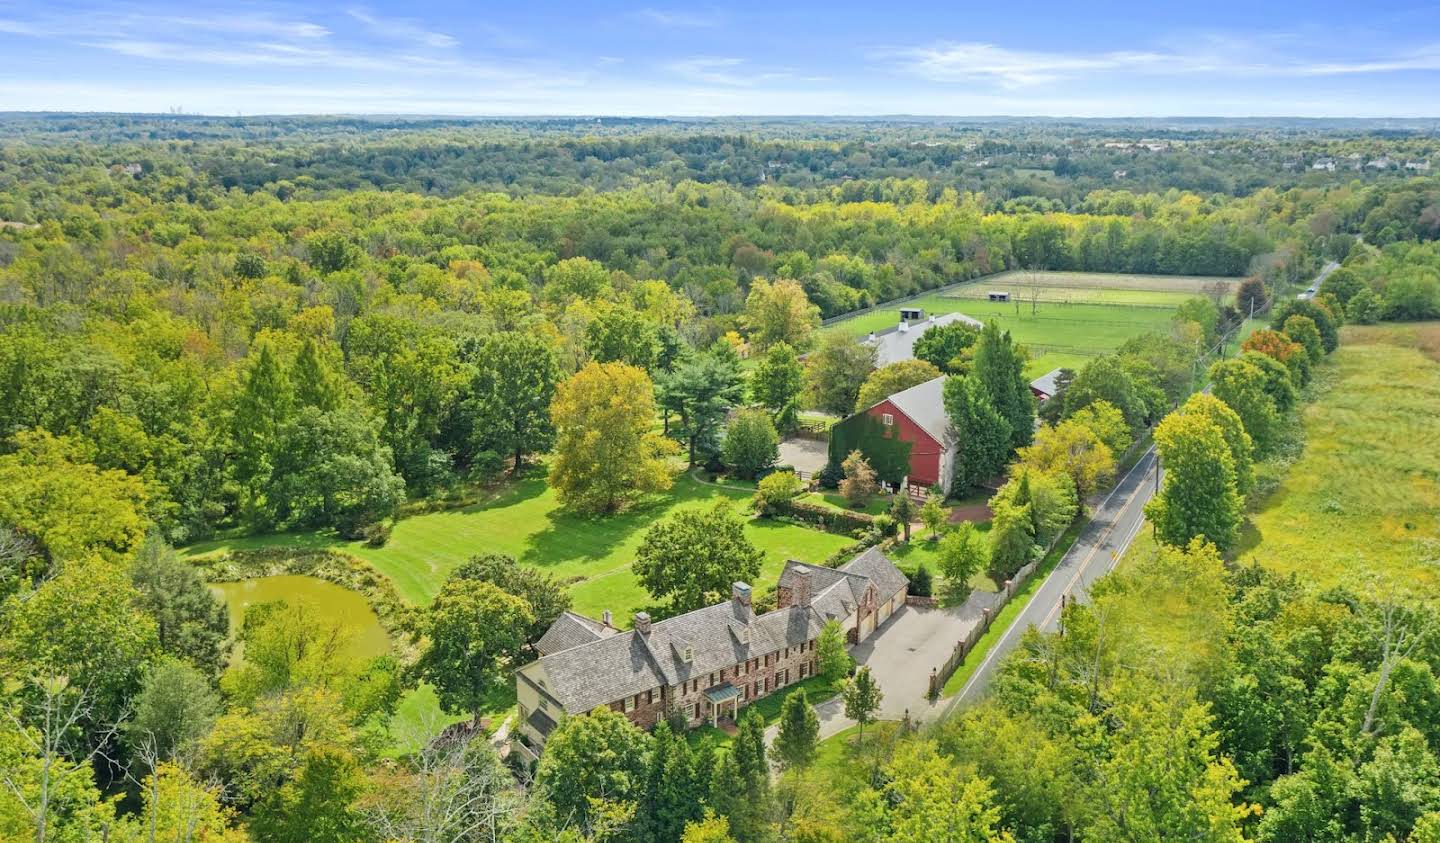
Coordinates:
(332, 602)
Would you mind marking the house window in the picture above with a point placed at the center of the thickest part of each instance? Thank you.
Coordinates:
(712, 679)
(544, 704)
(887, 419)
(757, 687)
(629, 704)
(694, 711)
(649, 697)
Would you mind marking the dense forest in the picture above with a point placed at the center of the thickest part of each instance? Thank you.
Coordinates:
(237, 326)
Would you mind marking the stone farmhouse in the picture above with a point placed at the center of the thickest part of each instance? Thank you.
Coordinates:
(707, 664)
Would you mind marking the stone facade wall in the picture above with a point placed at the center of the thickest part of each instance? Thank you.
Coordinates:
(653, 705)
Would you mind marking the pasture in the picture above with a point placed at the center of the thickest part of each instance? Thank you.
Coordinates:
(1072, 317)
(525, 520)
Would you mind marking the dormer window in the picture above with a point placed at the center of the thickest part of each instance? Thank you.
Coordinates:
(688, 654)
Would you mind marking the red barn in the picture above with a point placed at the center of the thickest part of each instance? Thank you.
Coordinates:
(917, 415)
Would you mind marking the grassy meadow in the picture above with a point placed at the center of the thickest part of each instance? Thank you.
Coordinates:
(1364, 498)
(525, 520)
(1078, 316)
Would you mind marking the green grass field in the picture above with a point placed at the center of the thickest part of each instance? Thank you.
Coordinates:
(526, 521)
(1365, 496)
(1098, 314)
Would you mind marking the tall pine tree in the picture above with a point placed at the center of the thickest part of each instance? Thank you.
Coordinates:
(1000, 365)
(983, 433)
(671, 788)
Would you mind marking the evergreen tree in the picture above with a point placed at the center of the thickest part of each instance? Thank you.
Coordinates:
(983, 433)
(262, 409)
(317, 384)
(753, 817)
(1000, 366)
(671, 787)
(799, 732)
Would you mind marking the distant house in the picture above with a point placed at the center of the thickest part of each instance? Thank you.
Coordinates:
(1327, 164)
(709, 663)
(907, 438)
(1418, 166)
(895, 344)
(1045, 387)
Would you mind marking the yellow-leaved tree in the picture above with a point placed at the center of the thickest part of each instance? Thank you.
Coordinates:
(607, 452)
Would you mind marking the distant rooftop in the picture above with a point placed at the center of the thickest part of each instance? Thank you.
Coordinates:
(893, 345)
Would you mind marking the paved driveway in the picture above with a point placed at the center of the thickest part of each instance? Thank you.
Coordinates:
(912, 641)
(806, 455)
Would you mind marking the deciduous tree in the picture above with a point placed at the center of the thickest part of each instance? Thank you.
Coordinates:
(780, 312)
(896, 377)
(835, 372)
(694, 555)
(475, 632)
(862, 696)
(859, 484)
(1198, 497)
(1241, 385)
(606, 452)
(776, 384)
(510, 395)
(832, 660)
(751, 443)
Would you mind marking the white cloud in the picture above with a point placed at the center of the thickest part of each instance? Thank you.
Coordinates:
(1220, 56)
(682, 19)
(404, 30)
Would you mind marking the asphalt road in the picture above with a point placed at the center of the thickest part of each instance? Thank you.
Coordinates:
(1114, 525)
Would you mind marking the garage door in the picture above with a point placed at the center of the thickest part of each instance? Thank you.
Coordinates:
(868, 626)
(886, 609)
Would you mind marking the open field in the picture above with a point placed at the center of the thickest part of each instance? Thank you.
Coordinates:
(526, 521)
(1081, 316)
(1365, 496)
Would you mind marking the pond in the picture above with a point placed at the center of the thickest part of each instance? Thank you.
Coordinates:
(332, 602)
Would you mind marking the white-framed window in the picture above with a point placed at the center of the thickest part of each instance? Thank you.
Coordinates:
(629, 704)
(887, 419)
(694, 711)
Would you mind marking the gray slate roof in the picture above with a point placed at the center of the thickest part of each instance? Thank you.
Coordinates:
(1046, 382)
(626, 663)
(834, 592)
(893, 344)
(571, 630)
(879, 569)
(925, 405)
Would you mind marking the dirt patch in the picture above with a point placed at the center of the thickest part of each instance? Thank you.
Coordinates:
(974, 512)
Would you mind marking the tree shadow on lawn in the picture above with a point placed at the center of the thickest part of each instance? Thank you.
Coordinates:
(571, 535)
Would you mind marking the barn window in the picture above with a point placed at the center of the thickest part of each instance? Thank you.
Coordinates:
(887, 419)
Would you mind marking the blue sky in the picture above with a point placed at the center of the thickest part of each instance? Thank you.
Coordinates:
(638, 58)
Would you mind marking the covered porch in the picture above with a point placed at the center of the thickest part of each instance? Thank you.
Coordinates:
(721, 697)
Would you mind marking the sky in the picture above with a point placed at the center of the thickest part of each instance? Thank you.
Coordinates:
(529, 57)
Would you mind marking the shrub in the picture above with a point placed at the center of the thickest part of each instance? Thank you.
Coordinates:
(886, 525)
(751, 443)
(922, 584)
(376, 535)
(830, 476)
(775, 491)
(859, 483)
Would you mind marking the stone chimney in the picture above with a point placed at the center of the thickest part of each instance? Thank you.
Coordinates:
(642, 623)
(607, 618)
(800, 588)
(740, 593)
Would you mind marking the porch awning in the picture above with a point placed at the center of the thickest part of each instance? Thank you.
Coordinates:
(722, 693)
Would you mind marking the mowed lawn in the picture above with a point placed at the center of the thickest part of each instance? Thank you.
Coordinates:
(1095, 319)
(1365, 496)
(527, 522)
